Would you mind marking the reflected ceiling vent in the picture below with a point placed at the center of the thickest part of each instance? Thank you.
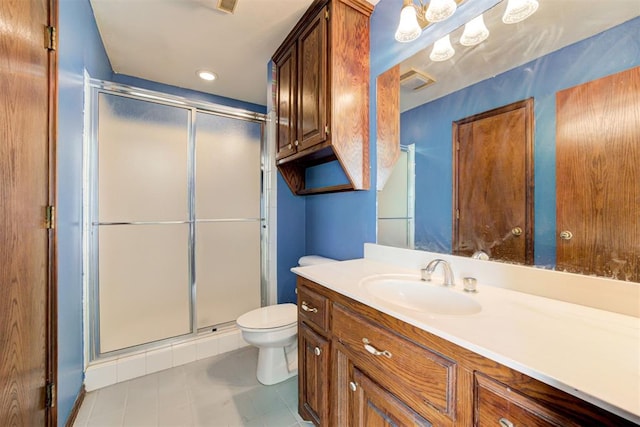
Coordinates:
(415, 80)
(227, 6)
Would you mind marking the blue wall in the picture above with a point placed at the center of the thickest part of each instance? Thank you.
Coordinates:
(429, 127)
(79, 47)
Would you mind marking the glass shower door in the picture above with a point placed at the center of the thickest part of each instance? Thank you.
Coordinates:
(228, 218)
(143, 222)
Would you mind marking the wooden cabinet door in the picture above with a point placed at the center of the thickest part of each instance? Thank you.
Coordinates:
(373, 406)
(597, 185)
(313, 376)
(286, 82)
(499, 405)
(313, 82)
(493, 183)
(27, 126)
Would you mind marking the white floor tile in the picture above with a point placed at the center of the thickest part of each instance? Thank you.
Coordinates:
(220, 391)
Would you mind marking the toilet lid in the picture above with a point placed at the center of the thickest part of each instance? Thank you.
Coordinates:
(271, 316)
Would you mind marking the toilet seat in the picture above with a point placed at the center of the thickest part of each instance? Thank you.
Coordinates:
(270, 317)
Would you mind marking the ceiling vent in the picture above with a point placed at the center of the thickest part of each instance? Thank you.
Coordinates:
(227, 6)
(415, 80)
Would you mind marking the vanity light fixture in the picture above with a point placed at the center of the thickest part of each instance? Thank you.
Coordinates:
(442, 50)
(408, 29)
(416, 16)
(475, 32)
(439, 10)
(519, 10)
(206, 75)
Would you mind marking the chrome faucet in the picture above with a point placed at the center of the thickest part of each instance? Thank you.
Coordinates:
(431, 267)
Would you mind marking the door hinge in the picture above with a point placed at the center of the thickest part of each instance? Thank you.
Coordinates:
(50, 37)
(458, 145)
(50, 218)
(326, 129)
(326, 14)
(50, 395)
(457, 213)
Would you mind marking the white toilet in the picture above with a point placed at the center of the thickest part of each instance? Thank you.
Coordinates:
(274, 330)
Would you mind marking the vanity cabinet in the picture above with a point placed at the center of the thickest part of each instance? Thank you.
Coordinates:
(322, 95)
(373, 369)
(314, 352)
(414, 375)
(313, 360)
(369, 404)
(499, 405)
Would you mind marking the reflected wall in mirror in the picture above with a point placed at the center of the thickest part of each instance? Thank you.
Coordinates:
(566, 43)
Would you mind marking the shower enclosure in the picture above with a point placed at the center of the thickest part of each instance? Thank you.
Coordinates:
(174, 217)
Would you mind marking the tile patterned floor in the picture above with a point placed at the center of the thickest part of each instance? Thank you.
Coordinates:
(218, 392)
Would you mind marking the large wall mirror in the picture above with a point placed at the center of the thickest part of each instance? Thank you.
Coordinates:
(576, 65)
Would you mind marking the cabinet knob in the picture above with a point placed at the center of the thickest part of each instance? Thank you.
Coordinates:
(353, 386)
(505, 423)
(290, 146)
(305, 307)
(295, 142)
(516, 231)
(317, 351)
(371, 349)
(566, 235)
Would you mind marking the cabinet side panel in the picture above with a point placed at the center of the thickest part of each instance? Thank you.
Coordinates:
(349, 70)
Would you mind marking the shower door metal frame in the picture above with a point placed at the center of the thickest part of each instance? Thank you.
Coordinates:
(90, 206)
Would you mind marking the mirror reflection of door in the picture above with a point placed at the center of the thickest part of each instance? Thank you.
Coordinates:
(493, 183)
(597, 187)
(396, 203)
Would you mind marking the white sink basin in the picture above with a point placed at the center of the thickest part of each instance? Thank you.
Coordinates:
(411, 293)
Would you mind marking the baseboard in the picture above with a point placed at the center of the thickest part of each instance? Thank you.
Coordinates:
(76, 407)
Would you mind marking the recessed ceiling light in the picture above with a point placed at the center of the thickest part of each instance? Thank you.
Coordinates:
(207, 75)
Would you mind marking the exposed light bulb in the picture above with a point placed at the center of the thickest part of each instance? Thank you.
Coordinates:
(442, 50)
(475, 32)
(519, 10)
(408, 28)
(439, 10)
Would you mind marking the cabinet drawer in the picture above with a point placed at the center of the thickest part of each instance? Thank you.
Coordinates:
(313, 308)
(499, 405)
(422, 379)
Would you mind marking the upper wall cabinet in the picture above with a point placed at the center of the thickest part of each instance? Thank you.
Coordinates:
(322, 81)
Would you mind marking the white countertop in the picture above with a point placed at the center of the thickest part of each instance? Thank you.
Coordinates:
(590, 353)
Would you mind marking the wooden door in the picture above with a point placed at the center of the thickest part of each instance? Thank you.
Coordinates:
(313, 376)
(312, 82)
(597, 177)
(286, 83)
(27, 126)
(493, 183)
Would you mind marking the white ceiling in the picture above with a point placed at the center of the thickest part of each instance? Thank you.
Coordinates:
(167, 41)
(556, 24)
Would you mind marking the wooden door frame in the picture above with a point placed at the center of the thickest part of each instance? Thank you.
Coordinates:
(527, 104)
(51, 412)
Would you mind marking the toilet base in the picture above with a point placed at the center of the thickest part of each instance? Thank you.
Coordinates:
(274, 364)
